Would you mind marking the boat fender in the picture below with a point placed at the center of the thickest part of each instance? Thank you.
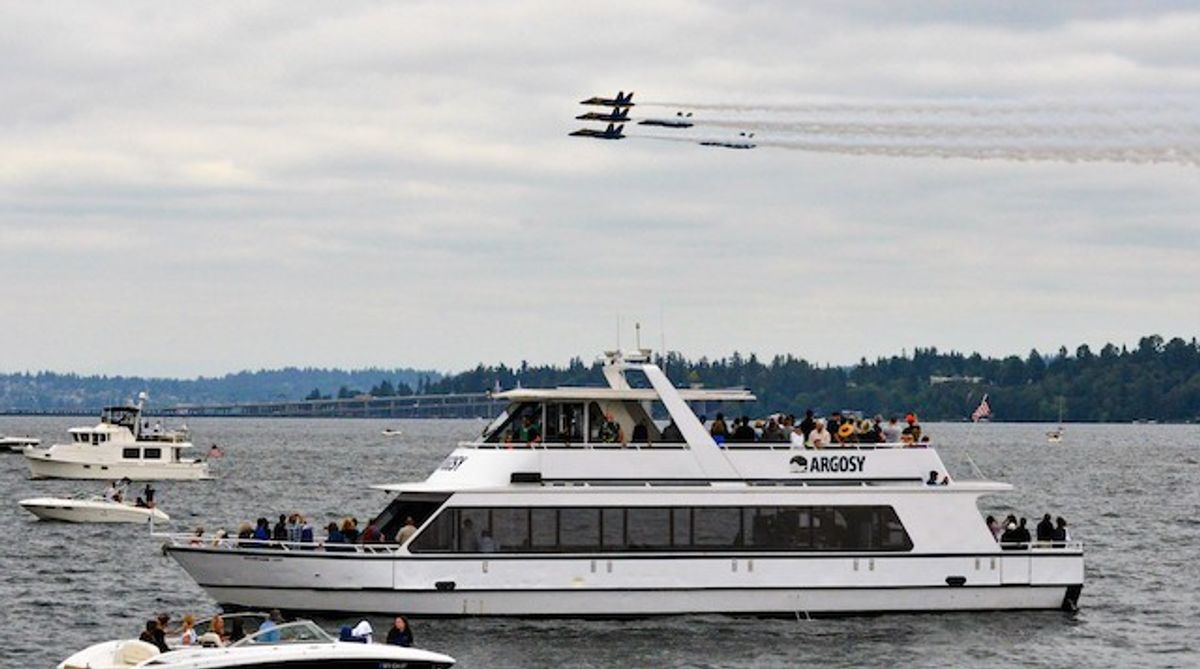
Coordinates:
(444, 586)
(956, 581)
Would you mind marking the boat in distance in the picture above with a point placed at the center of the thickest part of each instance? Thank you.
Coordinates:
(574, 502)
(17, 444)
(296, 645)
(92, 510)
(121, 445)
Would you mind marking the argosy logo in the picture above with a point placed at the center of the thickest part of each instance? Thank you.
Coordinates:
(821, 464)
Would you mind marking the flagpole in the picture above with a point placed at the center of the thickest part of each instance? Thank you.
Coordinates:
(970, 432)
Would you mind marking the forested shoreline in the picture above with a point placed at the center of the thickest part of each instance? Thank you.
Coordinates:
(1157, 380)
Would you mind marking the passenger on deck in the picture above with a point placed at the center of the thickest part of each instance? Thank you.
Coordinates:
(111, 494)
(719, 428)
(1045, 529)
(407, 530)
(742, 431)
(280, 533)
(1009, 536)
(306, 531)
(671, 433)
(1022, 533)
(773, 432)
(807, 425)
(245, 531)
(400, 633)
(913, 429)
(819, 437)
(1060, 532)
(148, 493)
(834, 423)
(350, 530)
(993, 526)
(371, 535)
(891, 431)
(333, 535)
(262, 532)
(845, 433)
(610, 430)
(217, 626)
(160, 631)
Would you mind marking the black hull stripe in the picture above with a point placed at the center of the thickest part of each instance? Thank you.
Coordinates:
(514, 591)
(442, 557)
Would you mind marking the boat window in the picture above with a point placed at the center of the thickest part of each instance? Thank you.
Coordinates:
(95, 438)
(152, 454)
(510, 529)
(717, 526)
(515, 430)
(648, 528)
(130, 453)
(564, 422)
(438, 536)
(613, 528)
(595, 420)
(681, 526)
(707, 528)
(543, 528)
(578, 529)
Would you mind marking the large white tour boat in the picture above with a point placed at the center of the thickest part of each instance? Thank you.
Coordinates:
(121, 445)
(582, 521)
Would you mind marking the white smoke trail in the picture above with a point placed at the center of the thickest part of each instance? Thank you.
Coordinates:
(1123, 131)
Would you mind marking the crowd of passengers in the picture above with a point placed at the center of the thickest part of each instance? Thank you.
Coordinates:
(158, 632)
(810, 432)
(296, 529)
(1013, 533)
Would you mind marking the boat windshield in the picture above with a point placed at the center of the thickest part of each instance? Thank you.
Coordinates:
(300, 631)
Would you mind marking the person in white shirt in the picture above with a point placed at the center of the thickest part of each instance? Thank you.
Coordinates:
(819, 437)
(891, 431)
(406, 532)
(110, 493)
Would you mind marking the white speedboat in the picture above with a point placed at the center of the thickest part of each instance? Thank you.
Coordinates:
(17, 444)
(574, 502)
(121, 445)
(296, 645)
(91, 510)
(389, 432)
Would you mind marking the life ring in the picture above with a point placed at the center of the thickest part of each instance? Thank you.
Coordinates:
(845, 430)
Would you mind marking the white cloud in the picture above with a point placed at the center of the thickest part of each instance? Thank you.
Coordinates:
(393, 184)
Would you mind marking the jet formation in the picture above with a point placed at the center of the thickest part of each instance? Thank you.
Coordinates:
(619, 116)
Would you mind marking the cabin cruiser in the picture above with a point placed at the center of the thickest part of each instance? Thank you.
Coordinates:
(121, 445)
(17, 444)
(300, 645)
(574, 502)
(92, 509)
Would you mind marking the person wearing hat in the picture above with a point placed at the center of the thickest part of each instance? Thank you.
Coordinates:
(845, 432)
(819, 437)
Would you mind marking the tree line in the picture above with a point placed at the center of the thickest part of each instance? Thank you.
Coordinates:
(1157, 380)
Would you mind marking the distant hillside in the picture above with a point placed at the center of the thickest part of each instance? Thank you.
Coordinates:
(50, 391)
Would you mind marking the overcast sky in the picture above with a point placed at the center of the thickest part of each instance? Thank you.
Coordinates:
(196, 188)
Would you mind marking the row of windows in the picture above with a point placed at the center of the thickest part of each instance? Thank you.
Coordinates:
(147, 453)
(94, 437)
(701, 528)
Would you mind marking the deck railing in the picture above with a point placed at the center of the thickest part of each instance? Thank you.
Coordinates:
(232, 543)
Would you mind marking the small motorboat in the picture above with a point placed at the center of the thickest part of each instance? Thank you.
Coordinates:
(17, 444)
(389, 432)
(91, 510)
(296, 644)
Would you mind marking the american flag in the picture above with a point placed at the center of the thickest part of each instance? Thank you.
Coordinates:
(982, 411)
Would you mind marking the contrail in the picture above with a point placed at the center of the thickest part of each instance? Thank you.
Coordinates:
(1124, 131)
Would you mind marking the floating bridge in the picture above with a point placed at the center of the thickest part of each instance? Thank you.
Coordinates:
(456, 405)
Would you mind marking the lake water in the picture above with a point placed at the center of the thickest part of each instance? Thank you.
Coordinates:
(1130, 492)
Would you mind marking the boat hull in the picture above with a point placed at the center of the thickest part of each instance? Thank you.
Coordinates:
(42, 467)
(89, 511)
(634, 586)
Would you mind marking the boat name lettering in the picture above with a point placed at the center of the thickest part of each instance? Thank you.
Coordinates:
(453, 462)
(816, 464)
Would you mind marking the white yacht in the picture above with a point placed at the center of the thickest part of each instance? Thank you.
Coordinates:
(574, 502)
(295, 645)
(92, 509)
(121, 445)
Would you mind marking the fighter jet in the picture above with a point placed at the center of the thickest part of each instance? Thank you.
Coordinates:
(621, 100)
(617, 115)
(743, 142)
(610, 133)
(680, 121)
